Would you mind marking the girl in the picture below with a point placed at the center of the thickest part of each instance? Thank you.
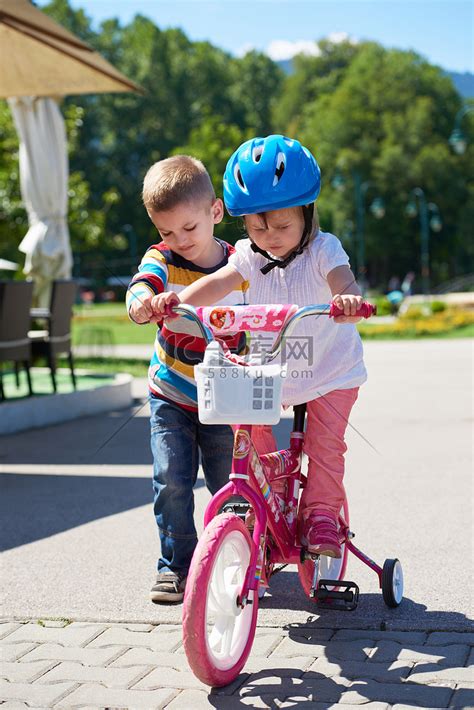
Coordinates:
(273, 183)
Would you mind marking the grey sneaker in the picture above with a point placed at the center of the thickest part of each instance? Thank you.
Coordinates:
(169, 587)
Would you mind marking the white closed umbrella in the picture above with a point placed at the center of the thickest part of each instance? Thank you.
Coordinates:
(44, 184)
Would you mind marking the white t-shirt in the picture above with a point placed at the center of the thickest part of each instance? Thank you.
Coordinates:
(321, 355)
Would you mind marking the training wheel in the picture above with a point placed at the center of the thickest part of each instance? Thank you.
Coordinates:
(392, 582)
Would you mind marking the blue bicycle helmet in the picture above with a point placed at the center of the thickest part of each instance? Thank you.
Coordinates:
(270, 173)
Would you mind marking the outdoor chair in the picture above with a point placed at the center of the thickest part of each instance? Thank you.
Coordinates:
(56, 340)
(15, 345)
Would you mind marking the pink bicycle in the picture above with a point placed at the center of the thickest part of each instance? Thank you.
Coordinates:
(234, 559)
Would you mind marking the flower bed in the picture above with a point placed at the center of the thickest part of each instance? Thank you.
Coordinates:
(415, 324)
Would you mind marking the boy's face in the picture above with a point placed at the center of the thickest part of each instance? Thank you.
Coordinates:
(188, 228)
(279, 232)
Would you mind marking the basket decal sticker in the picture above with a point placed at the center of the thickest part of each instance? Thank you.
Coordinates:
(241, 444)
(222, 318)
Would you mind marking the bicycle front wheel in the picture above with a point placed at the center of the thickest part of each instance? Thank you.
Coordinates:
(329, 567)
(217, 633)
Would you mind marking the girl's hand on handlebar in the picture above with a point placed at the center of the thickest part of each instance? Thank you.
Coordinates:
(161, 305)
(349, 304)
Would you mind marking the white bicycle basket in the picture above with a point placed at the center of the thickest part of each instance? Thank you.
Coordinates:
(236, 394)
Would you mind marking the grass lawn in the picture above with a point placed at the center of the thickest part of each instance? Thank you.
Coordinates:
(108, 324)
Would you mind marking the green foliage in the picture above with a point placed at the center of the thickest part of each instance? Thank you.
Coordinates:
(13, 219)
(213, 141)
(198, 99)
(438, 306)
(313, 77)
(387, 119)
(255, 91)
(384, 307)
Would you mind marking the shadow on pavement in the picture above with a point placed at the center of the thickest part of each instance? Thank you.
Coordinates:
(356, 667)
(416, 615)
(316, 689)
(286, 593)
(116, 437)
(33, 507)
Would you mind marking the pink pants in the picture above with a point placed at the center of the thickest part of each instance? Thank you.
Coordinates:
(327, 419)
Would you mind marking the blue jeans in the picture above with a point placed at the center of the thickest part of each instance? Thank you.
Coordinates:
(177, 437)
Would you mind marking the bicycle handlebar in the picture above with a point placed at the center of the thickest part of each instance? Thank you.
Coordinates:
(366, 310)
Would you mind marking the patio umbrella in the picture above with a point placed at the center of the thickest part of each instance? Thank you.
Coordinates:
(39, 58)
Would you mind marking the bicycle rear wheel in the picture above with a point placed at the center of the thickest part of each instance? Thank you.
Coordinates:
(329, 567)
(217, 633)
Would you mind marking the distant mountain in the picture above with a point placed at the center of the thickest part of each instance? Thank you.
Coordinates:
(464, 83)
(286, 65)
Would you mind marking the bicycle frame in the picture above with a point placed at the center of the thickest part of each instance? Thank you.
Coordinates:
(249, 479)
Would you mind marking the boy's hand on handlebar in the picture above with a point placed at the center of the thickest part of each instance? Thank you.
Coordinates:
(161, 305)
(349, 304)
(140, 309)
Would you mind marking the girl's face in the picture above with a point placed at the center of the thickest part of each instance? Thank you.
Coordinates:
(278, 232)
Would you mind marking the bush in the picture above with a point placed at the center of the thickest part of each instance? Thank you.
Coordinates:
(438, 306)
(384, 307)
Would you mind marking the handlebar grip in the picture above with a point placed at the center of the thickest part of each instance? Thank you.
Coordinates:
(366, 310)
(169, 310)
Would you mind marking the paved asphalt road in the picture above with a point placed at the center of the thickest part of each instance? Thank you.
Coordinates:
(79, 532)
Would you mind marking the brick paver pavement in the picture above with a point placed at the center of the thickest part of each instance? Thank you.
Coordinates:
(53, 663)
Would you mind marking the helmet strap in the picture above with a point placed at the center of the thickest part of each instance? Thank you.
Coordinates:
(308, 211)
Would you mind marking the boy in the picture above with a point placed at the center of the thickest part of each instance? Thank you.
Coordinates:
(180, 201)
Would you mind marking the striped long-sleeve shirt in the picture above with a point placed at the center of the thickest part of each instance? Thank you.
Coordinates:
(178, 345)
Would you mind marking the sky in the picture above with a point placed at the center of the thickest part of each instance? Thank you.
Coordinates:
(440, 30)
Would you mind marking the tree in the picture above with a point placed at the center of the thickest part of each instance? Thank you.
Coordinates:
(388, 121)
(313, 76)
(255, 91)
(213, 142)
(13, 218)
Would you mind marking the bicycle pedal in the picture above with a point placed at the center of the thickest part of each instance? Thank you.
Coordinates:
(345, 598)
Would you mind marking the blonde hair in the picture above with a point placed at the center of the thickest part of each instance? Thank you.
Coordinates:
(171, 181)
